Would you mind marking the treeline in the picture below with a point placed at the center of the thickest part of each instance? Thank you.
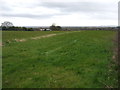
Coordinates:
(13, 28)
(88, 28)
(17, 29)
(58, 28)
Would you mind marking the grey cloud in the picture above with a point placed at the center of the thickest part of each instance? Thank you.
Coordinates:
(109, 16)
(90, 8)
(93, 9)
(4, 6)
(27, 16)
(33, 16)
(85, 7)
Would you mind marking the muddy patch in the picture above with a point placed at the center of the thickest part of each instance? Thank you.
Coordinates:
(45, 36)
(1, 44)
(20, 40)
(34, 38)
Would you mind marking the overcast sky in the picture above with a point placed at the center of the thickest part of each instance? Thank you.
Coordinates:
(61, 12)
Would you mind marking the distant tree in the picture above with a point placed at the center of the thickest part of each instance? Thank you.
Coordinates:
(58, 28)
(55, 28)
(24, 28)
(7, 24)
(4, 28)
(30, 29)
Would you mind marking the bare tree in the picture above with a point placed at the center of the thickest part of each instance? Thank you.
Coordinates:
(7, 24)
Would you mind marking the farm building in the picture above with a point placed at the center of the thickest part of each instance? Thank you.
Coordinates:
(45, 29)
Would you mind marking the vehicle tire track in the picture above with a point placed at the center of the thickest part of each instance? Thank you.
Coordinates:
(34, 38)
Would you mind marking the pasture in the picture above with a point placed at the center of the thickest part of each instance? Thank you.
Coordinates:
(58, 59)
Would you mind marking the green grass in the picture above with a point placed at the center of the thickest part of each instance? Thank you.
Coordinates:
(10, 35)
(70, 60)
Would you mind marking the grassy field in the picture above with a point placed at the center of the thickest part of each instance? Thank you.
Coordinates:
(74, 59)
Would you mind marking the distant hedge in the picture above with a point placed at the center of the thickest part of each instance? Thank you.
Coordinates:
(17, 29)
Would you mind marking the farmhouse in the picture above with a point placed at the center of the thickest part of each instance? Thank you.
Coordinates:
(45, 29)
(41, 29)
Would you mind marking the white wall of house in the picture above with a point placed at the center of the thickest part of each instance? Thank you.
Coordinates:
(42, 29)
